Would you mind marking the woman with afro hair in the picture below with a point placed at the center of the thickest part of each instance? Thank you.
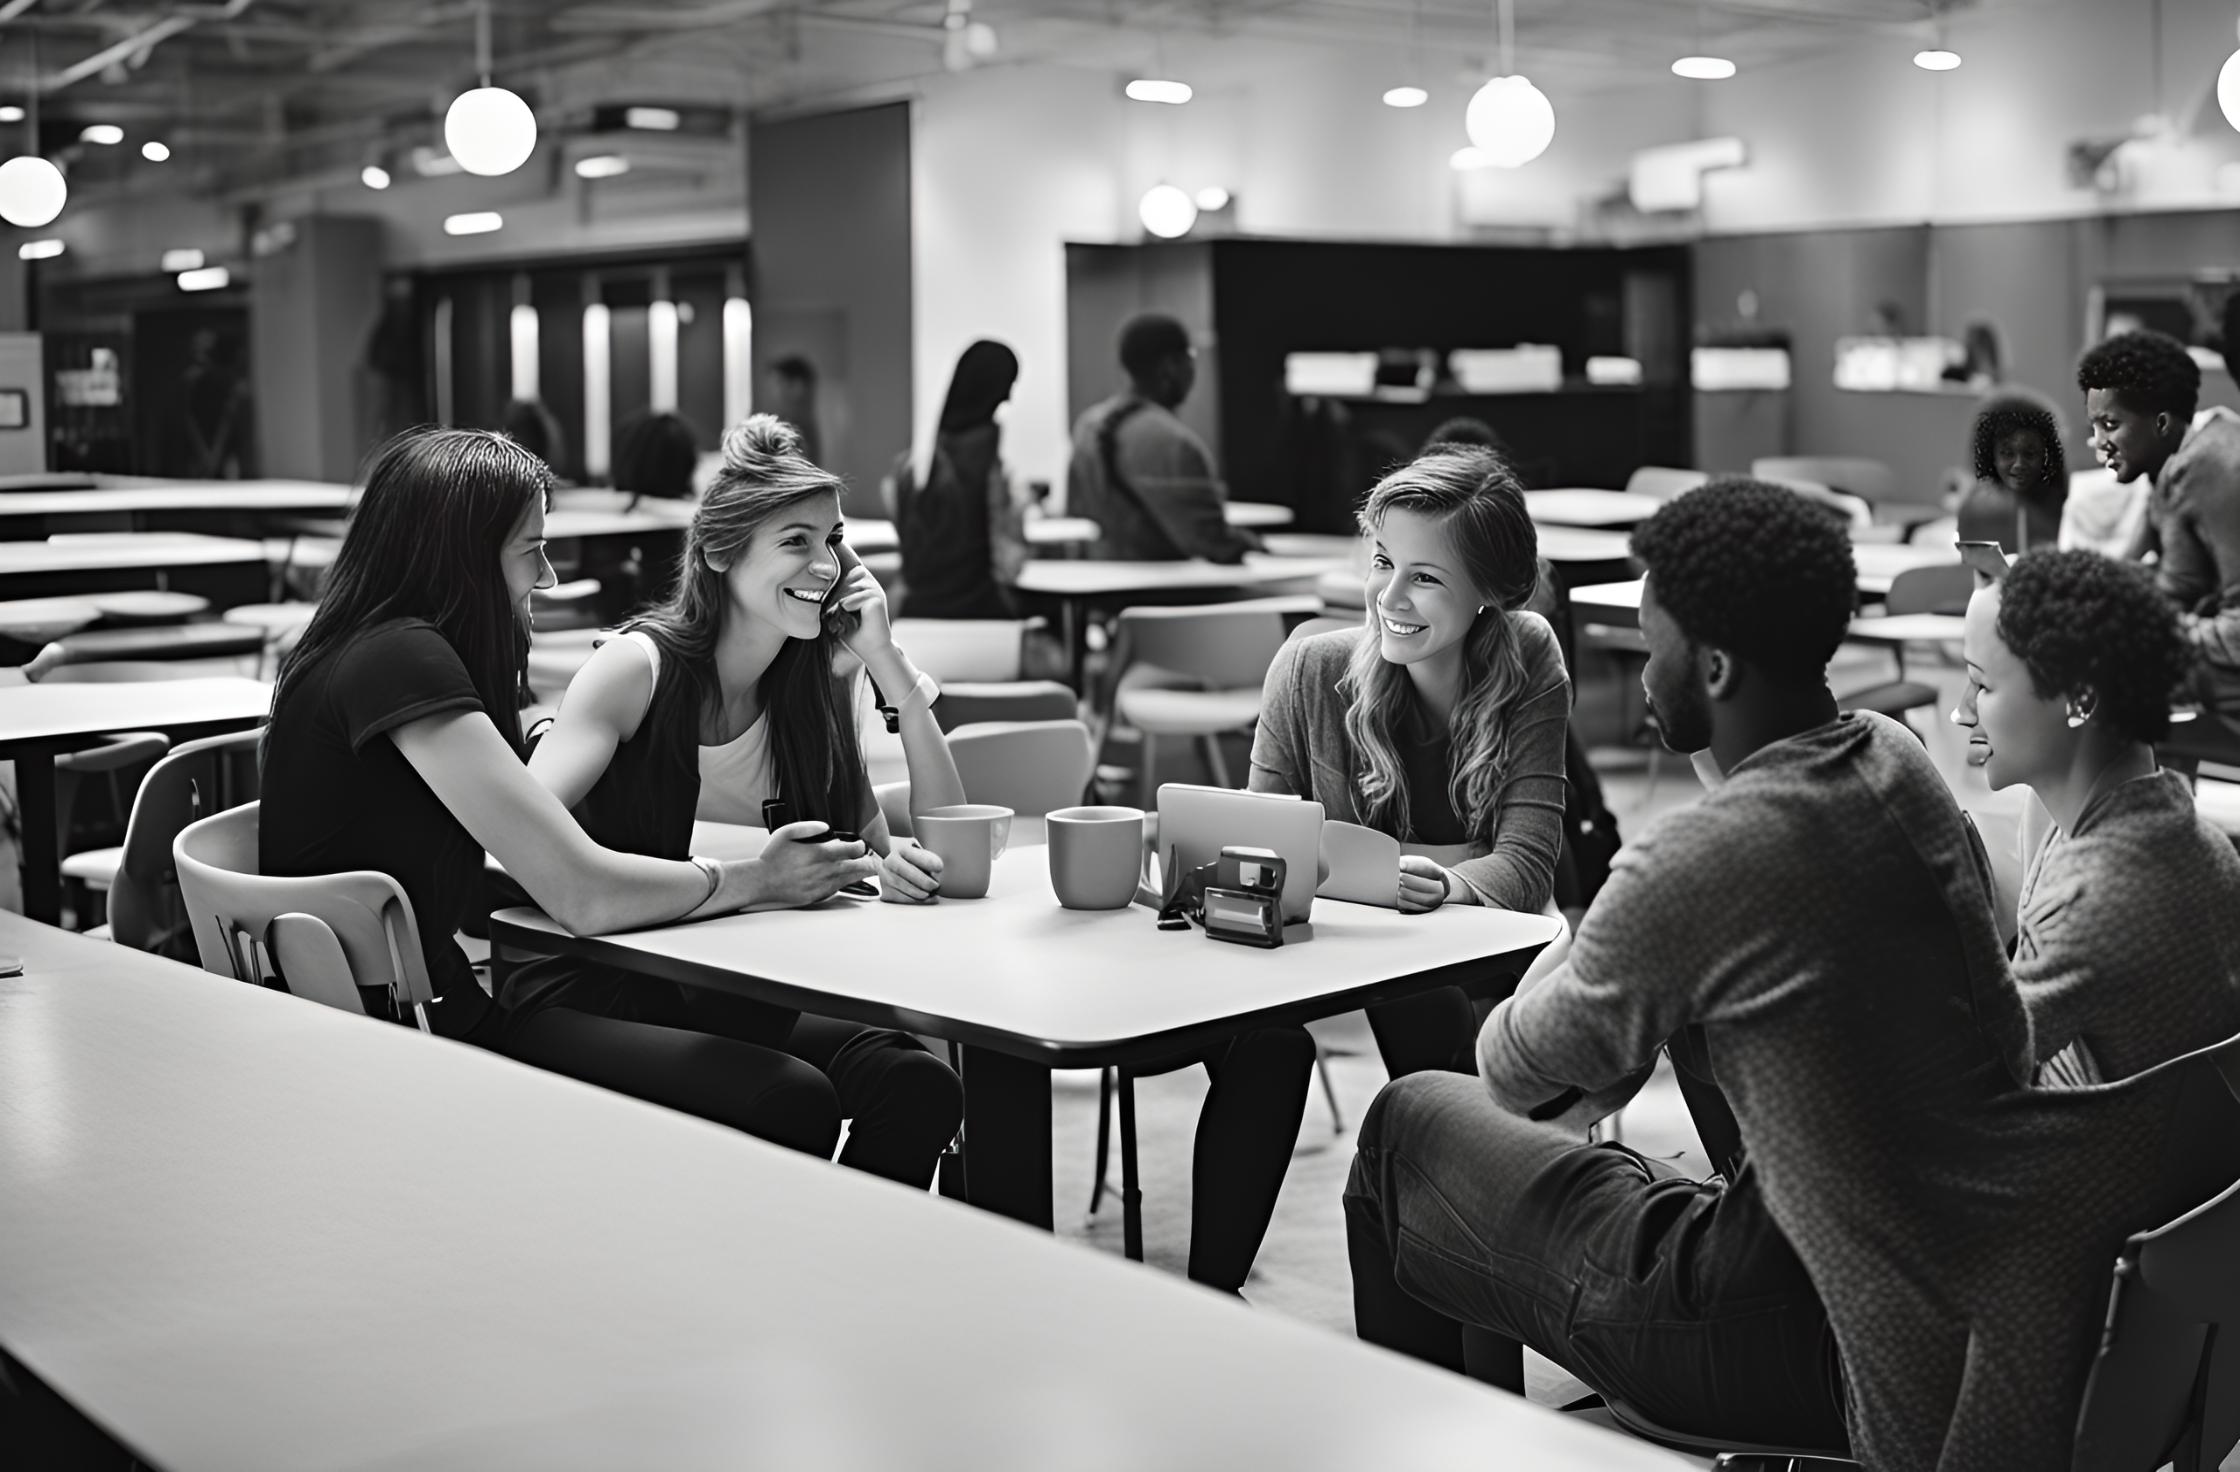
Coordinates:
(2127, 944)
(2022, 477)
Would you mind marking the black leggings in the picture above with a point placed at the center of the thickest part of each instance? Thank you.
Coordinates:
(1437, 1030)
(771, 1072)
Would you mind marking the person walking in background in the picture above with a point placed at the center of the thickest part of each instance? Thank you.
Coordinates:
(655, 454)
(1139, 472)
(2140, 390)
(2022, 477)
(959, 523)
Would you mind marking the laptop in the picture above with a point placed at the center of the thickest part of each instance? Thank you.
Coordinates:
(1196, 823)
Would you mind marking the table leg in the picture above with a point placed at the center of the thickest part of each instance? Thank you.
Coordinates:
(42, 860)
(1007, 1135)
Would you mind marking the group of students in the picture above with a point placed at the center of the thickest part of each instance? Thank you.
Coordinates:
(1928, 1149)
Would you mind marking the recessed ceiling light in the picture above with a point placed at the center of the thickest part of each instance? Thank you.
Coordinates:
(1153, 89)
(602, 166)
(11, 114)
(187, 259)
(474, 222)
(1937, 60)
(38, 250)
(653, 119)
(1703, 68)
(105, 134)
(155, 152)
(373, 176)
(208, 278)
(1406, 97)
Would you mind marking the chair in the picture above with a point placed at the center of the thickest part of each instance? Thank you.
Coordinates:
(1664, 481)
(2164, 1387)
(1029, 767)
(1941, 589)
(976, 650)
(126, 755)
(975, 702)
(323, 937)
(1223, 650)
(1856, 514)
(196, 779)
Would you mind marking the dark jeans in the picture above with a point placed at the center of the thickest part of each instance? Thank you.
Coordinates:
(1473, 1231)
(774, 1073)
(1246, 1132)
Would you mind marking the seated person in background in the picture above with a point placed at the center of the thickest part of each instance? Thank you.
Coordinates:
(395, 745)
(2140, 389)
(654, 455)
(1464, 430)
(2022, 476)
(724, 697)
(1441, 722)
(529, 424)
(2128, 923)
(1822, 923)
(955, 514)
(1139, 472)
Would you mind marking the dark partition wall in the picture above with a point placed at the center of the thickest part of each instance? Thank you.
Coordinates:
(1252, 302)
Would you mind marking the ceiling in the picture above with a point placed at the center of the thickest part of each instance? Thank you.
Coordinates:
(260, 90)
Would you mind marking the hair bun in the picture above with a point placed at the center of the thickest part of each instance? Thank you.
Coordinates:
(750, 445)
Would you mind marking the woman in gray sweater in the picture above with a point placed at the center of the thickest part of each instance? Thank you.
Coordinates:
(1439, 722)
(2127, 936)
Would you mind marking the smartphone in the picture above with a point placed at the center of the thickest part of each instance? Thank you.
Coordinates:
(1987, 559)
(839, 620)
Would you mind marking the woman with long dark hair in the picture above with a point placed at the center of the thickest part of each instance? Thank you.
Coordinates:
(1441, 722)
(954, 512)
(723, 698)
(395, 745)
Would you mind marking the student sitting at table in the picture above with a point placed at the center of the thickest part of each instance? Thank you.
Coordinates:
(725, 697)
(2127, 943)
(395, 745)
(1440, 722)
(2022, 477)
(1820, 926)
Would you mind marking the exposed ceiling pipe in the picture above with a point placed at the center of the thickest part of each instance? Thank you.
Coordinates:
(136, 47)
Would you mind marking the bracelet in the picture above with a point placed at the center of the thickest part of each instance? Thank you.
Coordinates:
(926, 687)
(714, 871)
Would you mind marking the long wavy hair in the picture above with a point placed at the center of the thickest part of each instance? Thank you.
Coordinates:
(1473, 495)
(814, 754)
(427, 541)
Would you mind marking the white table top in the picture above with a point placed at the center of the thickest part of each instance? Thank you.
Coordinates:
(1060, 531)
(1909, 628)
(248, 1232)
(122, 550)
(59, 712)
(1069, 578)
(217, 495)
(1256, 514)
(1581, 544)
(1579, 506)
(1879, 563)
(1016, 967)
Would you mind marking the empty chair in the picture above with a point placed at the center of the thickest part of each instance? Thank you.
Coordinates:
(1664, 481)
(325, 938)
(1029, 767)
(1942, 589)
(975, 702)
(1209, 663)
(197, 779)
(981, 650)
(117, 764)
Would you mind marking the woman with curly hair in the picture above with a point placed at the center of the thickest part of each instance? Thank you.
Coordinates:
(2022, 477)
(2127, 946)
(1441, 722)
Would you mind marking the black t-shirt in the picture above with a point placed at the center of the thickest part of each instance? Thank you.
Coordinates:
(1426, 760)
(338, 795)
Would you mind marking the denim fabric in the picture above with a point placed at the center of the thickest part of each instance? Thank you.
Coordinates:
(1679, 1297)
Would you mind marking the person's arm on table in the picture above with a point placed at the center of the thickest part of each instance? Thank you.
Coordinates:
(588, 889)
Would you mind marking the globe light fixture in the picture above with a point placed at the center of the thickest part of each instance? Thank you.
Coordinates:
(1703, 68)
(32, 191)
(373, 176)
(490, 131)
(1154, 89)
(155, 152)
(107, 135)
(2228, 89)
(1511, 122)
(206, 278)
(473, 222)
(601, 166)
(1167, 212)
(39, 250)
(1213, 197)
(1406, 97)
(1936, 59)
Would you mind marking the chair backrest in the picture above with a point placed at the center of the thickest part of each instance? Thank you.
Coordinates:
(1027, 766)
(2166, 1378)
(1223, 646)
(197, 779)
(1665, 481)
(970, 702)
(1945, 588)
(1324, 623)
(1869, 479)
(364, 933)
(1855, 512)
(964, 648)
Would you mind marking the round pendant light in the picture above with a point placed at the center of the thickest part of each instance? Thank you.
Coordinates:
(1511, 122)
(1167, 212)
(32, 191)
(490, 131)
(2228, 89)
